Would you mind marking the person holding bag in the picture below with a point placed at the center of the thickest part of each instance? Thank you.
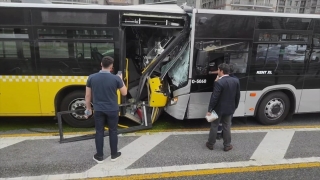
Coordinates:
(224, 101)
(220, 131)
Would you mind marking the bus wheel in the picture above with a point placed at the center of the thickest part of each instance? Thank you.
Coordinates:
(76, 101)
(273, 108)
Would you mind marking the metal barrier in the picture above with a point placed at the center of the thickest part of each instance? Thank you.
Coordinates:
(146, 124)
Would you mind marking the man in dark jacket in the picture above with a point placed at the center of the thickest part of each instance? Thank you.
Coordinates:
(224, 101)
(220, 131)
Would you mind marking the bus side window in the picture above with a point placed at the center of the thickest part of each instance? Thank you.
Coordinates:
(15, 52)
(73, 56)
(239, 61)
(281, 58)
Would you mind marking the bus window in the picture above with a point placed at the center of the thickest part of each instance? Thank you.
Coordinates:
(239, 62)
(284, 23)
(237, 51)
(74, 51)
(316, 40)
(281, 58)
(224, 26)
(313, 67)
(15, 54)
(70, 58)
(15, 16)
(76, 18)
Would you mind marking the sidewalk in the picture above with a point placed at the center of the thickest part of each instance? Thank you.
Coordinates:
(45, 158)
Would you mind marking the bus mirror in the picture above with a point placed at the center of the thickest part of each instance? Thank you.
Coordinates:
(202, 58)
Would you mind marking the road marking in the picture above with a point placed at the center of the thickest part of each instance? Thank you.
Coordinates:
(273, 146)
(56, 134)
(187, 170)
(9, 142)
(131, 153)
(213, 171)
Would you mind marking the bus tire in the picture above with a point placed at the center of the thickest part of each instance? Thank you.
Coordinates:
(74, 101)
(273, 108)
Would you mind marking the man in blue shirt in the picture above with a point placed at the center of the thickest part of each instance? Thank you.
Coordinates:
(102, 87)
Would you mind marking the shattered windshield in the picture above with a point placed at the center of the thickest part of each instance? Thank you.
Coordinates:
(154, 51)
(180, 70)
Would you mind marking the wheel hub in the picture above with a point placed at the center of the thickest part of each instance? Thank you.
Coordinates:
(78, 104)
(274, 108)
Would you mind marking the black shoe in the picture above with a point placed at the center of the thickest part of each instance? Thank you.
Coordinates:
(98, 159)
(209, 146)
(228, 148)
(115, 157)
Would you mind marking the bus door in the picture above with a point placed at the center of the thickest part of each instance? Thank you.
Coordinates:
(19, 85)
(310, 96)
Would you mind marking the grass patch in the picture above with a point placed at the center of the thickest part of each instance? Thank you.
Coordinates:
(35, 124)
(48, 124)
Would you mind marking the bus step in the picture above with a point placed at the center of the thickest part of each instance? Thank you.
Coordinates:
(133, 118)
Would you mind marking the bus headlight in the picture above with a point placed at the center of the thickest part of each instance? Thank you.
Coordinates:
(174, 101)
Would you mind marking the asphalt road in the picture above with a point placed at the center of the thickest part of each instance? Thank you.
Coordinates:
(40, 157)
(43, 157)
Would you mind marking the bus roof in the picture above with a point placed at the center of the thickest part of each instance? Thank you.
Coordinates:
(160, 8)
(256, 13)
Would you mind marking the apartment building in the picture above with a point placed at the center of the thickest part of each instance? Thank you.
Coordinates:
(281, 6)
(299, 6)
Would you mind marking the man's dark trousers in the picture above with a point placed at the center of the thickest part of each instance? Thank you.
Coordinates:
(226, 129)
(112, 118)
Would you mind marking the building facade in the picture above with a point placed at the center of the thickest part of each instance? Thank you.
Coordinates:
(281, 6)
(299, 6)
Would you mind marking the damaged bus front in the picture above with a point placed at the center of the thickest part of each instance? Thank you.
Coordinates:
(157, 60)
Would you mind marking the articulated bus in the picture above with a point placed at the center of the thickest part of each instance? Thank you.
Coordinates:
(165, 53)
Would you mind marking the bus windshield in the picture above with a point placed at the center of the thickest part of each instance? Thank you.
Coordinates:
(178, 68)
(179, 71)
(157, 49)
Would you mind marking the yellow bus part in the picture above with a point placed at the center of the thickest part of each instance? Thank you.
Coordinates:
(127, 73)
(154, 115)
(157, 98)
(153, 60)
(126, 79)
(33, 95)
